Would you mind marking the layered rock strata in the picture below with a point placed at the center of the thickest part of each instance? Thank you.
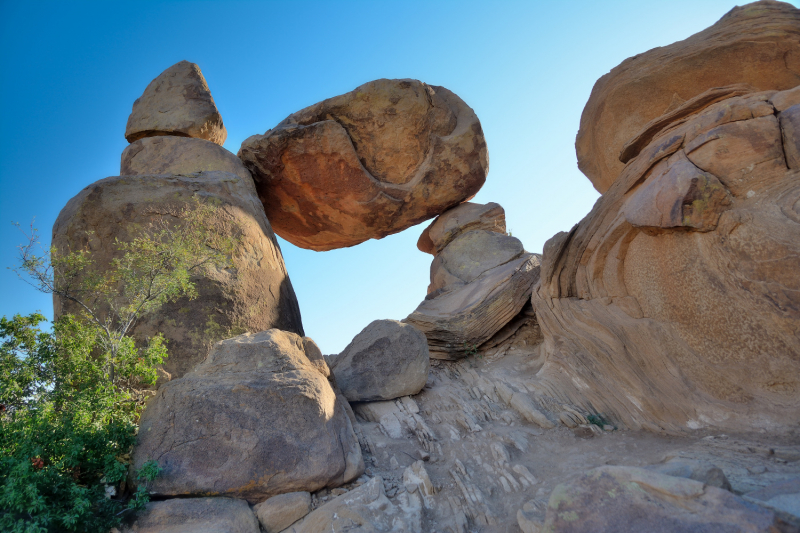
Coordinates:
(255, 295)
(387, 360)
(675, 304)
(480, 280)
(256, 419)
(179, 103)
(757, 44)
(368, 163)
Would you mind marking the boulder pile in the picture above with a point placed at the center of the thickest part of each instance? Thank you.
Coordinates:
(481, 278)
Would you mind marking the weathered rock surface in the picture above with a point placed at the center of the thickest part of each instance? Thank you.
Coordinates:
(178, 155)
(367, 164)
(461, 219)
(675, 304)
(257, 418)
(196, 515)
(756, 44)
(701, 471)
(620, 499)
(783, 498)
(364, 510)
(458, 321)
(253, 296)
(387, 360)
(283, 510)
(178, 102)
(470, 255)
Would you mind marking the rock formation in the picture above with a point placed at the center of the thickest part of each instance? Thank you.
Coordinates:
(257, 418)
(196, 515)
(757, 44)
(178, 155)
(675, 303)
(179, 103)
(253, 296)
(387, 360)
(480, 279)
(367, 164)
(283, 510)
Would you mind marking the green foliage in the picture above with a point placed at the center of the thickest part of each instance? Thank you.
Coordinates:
(598, 420)
(470, 350)
(70, 399)
(66, 431)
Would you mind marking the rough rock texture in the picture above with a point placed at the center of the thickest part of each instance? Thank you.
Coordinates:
(460, 219)
(283, 510)
(387, 360)
(178, 102)
(675, 304)
(459, 320)
(703, 472)
(178, 155)
(756, 44)
(364, 510)
(195, 515)
(621, 499)
(783, 498)
(257, 418)
(367, 164)
(470, 255)
(256, 295)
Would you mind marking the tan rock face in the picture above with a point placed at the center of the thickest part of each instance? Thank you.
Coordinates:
(675, 303)
(756, 44)
(195, 515)
(461, 219)
(256, 419)
(178, 102)
(387, 360)
(178, 155)
(367, 164)
(618, 498)
(283, 510)
(256, 295)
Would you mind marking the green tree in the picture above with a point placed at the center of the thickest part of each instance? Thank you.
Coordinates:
(69, 398)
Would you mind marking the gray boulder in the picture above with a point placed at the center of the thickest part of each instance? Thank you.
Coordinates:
(195, 515)
(387, 360)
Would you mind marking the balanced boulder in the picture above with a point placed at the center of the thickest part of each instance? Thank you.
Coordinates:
(460, 219)
(178, 155)
(757, 44)
(178, 102)
(195, 515)
(387, 360)
(255, 295)
(257, 418)
(367, 164)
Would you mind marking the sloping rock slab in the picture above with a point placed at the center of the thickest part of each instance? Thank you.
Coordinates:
(177, 102)
(257, 418)
(757, 44)
(461, 219)
(195, 515)
(365, 509)
(367, 164)
(178, 155)
(387, 360)
(255, 295)
(460, 320)
(623, 499)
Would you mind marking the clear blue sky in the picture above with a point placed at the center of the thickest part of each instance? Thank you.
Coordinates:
(70, 71)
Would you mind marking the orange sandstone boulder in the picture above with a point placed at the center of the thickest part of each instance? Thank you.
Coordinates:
(367, 164)
(757, 44)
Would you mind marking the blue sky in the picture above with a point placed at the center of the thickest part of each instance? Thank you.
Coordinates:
(70, 71)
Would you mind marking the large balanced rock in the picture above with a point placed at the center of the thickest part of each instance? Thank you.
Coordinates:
(462, 218)
(756, 44)
(675, 304)
(195, 515)
(257, 418)
(367, 164)
(178, 102)
(253, 296)
(614, 499)
(387, 360)
(178, 155)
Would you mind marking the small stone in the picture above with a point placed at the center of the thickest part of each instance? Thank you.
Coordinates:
(425, 456)
(583, 432)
